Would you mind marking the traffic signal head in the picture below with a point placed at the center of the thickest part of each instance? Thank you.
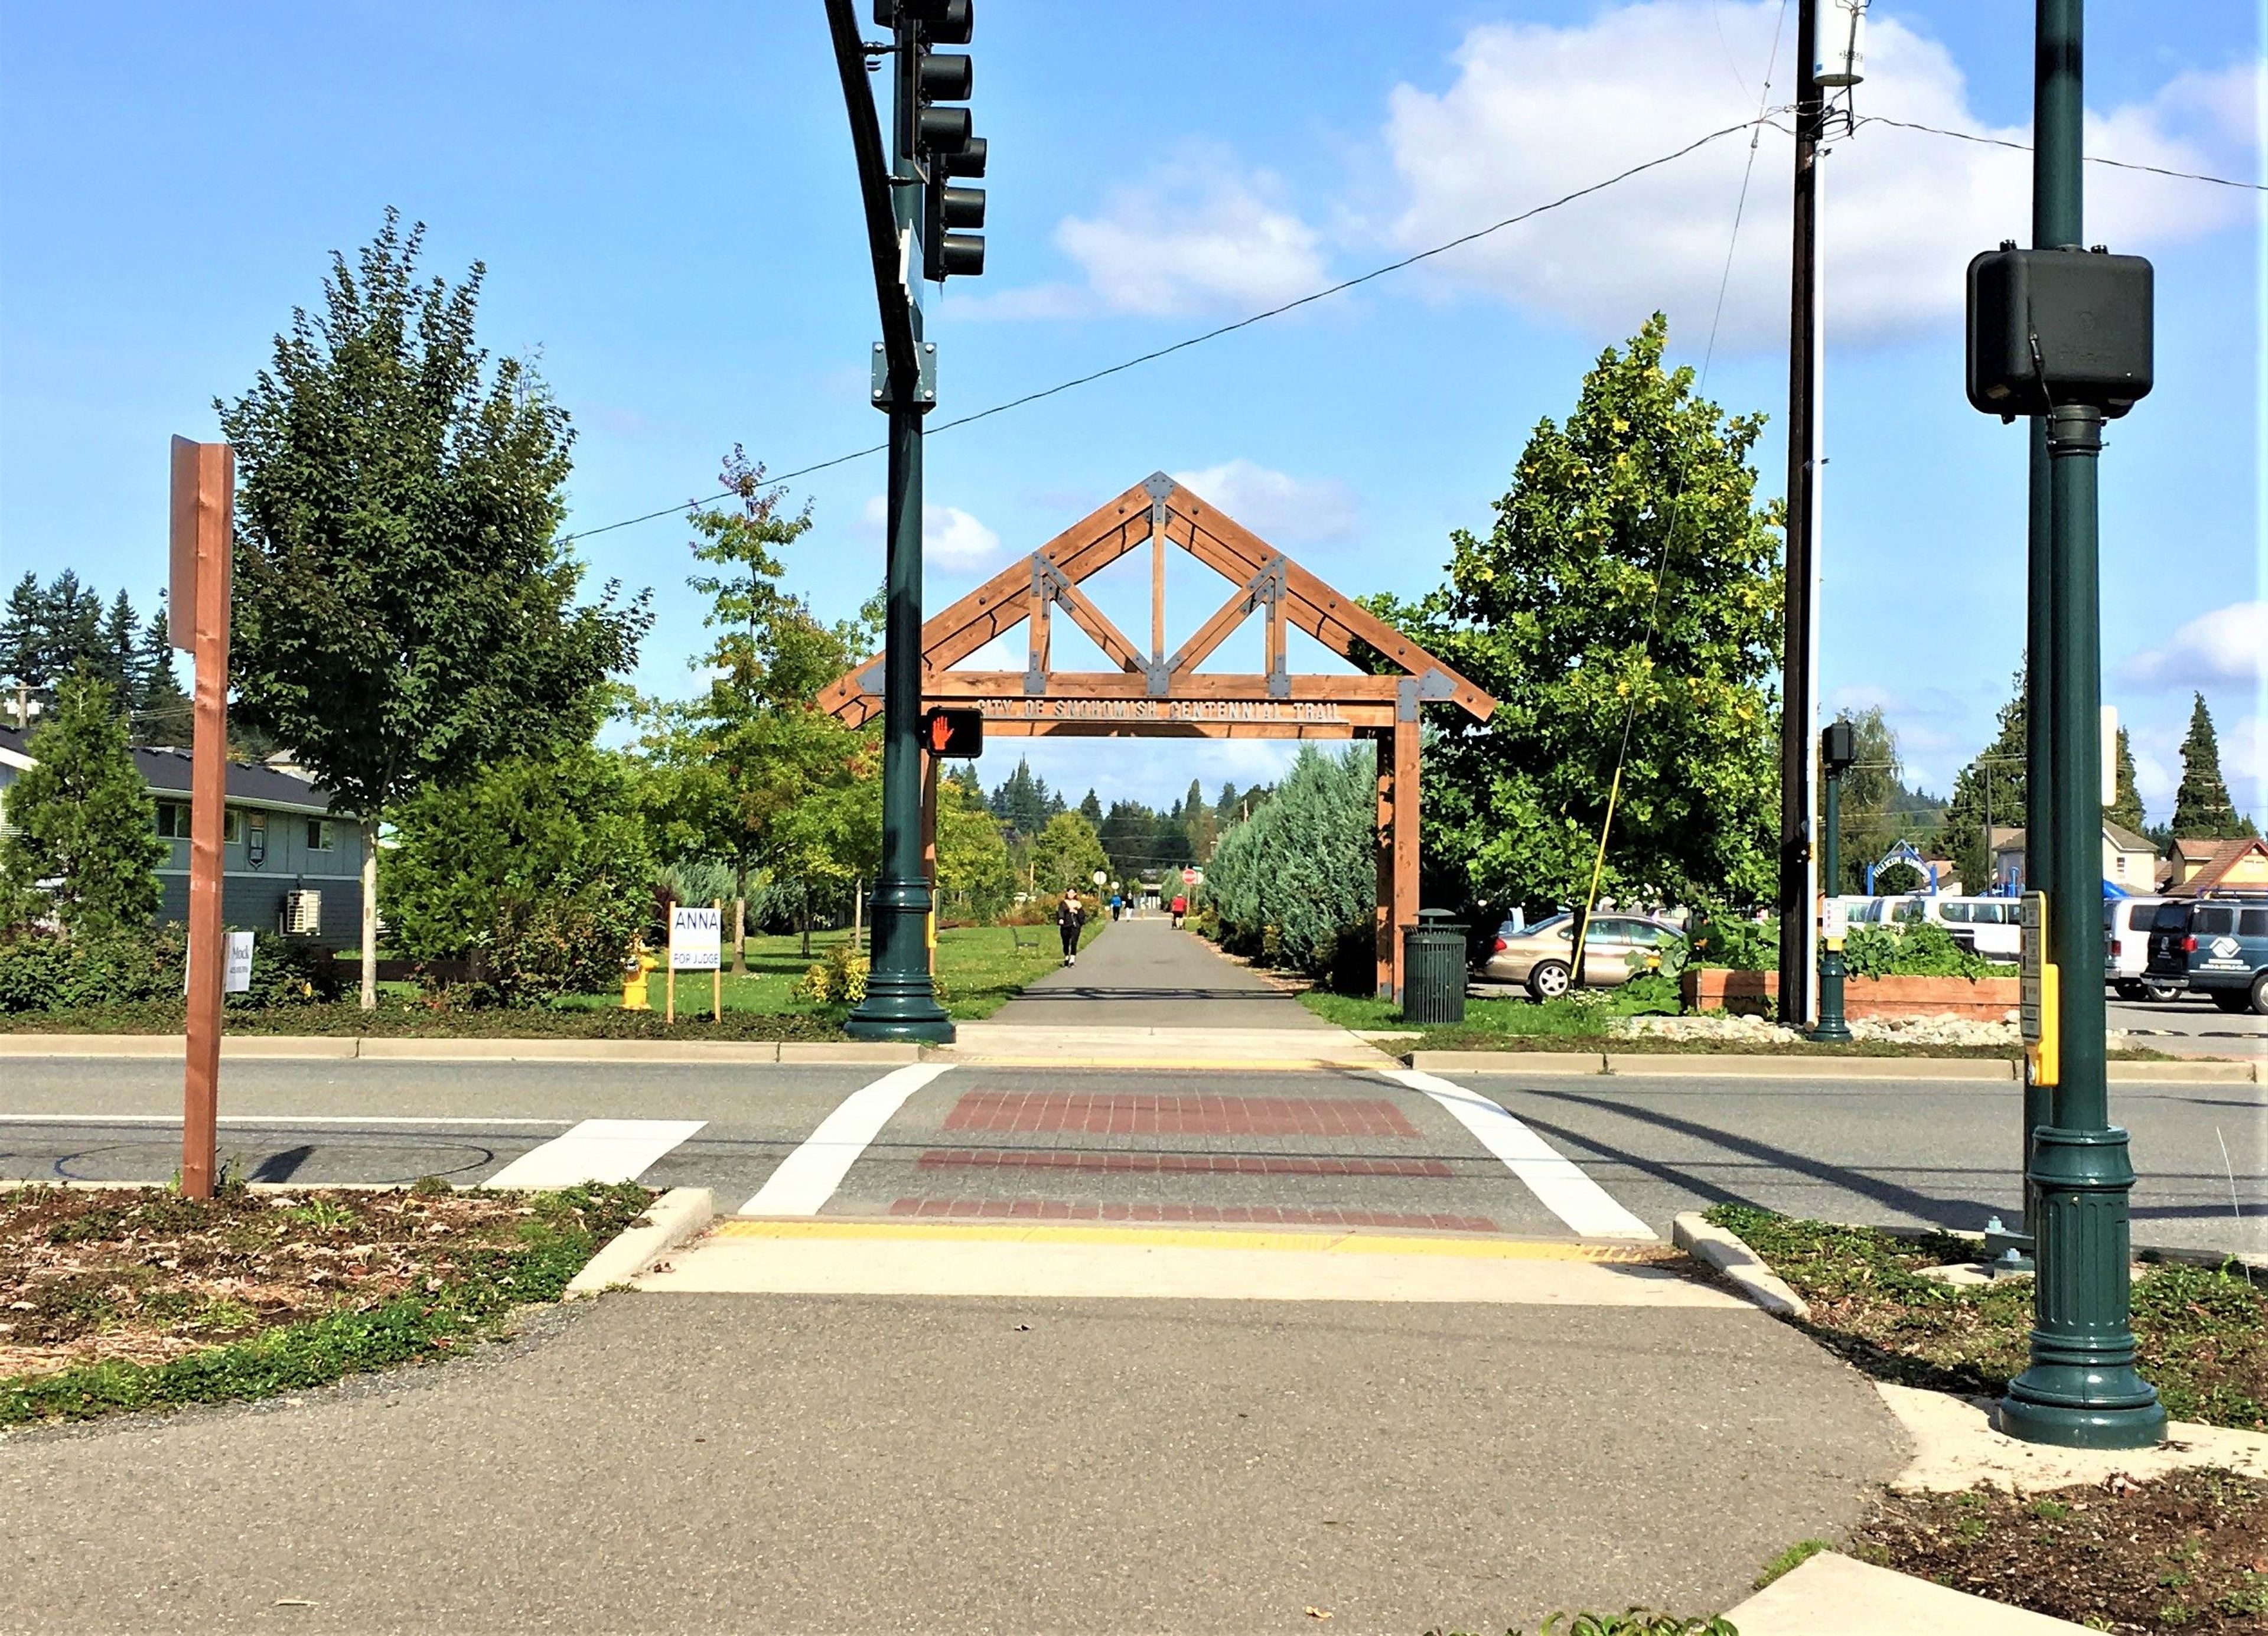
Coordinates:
(953, 734)
(944, 145)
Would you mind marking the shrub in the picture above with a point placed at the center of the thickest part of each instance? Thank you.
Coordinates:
(1296, 883)
(537, 872)
(1921, 948)
(840, 978)
(51, 971)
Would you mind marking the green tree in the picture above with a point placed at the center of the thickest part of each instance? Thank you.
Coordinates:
(536, 869)
(1025, 803)
(742, 765)
(1296, 883)
(1066, 855)
(163, 714)
(2127, 808)
(1627, 598)
(81, 840)
(1990, 791)
(973, 878)
(2202, 808)
(23, 635)
(405, 611)
(118, 660)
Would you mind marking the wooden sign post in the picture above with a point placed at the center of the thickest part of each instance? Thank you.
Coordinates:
(204, 514)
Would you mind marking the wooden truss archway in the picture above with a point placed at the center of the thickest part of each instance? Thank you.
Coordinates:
(1160, 692)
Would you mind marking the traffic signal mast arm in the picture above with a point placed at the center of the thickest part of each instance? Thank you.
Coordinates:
(891, 275)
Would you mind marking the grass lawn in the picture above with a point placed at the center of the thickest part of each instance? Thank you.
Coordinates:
(982, 969)
(2202, 1333)
(119, 1299)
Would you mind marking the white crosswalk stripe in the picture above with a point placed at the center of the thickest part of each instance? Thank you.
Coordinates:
(808, 1177)
(1554, 1178)
(596, 1150)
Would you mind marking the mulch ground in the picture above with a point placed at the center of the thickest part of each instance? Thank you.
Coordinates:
(142, 1276)
(2201, 1332)
(2185, 1553)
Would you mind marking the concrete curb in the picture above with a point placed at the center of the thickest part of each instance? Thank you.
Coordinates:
(676, 1216)
(1833, 1592)
(1508, 1062)
(1704, 1065)
(1726, 1253)
(337, 1048)
(1714, 1066)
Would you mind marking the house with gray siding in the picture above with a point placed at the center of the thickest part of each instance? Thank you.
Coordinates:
(287, 864)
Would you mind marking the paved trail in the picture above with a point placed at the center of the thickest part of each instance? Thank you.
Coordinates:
(1144, 973)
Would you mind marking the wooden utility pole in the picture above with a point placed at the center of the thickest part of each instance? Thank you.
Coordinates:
(203, 512)
(1799, 658)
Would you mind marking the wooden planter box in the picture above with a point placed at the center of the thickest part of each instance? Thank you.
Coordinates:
(1756, 993)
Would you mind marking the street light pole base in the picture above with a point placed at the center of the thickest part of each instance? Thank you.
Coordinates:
(1837, 1033)
(909, 1021)
(2081, 1420)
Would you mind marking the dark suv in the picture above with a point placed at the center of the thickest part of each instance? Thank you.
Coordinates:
(2219, 946)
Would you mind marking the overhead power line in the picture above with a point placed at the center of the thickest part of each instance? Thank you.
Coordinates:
(2092, 158)
(1216, 332)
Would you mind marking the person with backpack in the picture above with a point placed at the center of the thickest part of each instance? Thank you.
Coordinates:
(1070, 915)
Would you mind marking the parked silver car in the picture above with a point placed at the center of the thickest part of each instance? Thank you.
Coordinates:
(1542, 956)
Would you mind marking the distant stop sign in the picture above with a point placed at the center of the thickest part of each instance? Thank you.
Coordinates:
(1189, 877)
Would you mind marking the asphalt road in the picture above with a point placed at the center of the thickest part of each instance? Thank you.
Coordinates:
(684, 1462)
(987, 1141)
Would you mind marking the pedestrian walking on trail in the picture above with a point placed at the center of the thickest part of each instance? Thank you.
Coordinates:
(1181, 908)
(1070, 915)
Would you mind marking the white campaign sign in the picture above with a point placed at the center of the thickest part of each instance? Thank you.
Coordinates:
(236, 970)
(696, 937)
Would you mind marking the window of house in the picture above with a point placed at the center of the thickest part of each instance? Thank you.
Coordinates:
(173, 820)
(232, 826)
(318, 834)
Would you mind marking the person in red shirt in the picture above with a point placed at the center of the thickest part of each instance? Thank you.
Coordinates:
(1181, 908)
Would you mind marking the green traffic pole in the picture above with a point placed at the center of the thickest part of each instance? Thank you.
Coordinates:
(1831, 1029)
(901, 1002)
(2080, 1389)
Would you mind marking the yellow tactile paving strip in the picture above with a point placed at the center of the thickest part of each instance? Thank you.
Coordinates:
(1309, 1242)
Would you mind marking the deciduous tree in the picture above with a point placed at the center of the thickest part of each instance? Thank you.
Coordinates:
(405, 610)
(1624, 611)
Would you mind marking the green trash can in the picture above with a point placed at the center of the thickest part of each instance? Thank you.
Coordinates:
(1433, 968)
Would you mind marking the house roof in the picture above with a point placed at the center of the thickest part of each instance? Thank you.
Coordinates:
(2124, 839)
(2127, 840)
(166, 771)
(2223, 860)
(2192, 849)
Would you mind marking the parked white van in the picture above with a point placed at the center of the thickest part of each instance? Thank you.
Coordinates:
(1990, 926)
(2126, 949)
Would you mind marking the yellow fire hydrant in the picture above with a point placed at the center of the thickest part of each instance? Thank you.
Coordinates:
(634, 976)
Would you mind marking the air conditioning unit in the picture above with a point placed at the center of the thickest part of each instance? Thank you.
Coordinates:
(301, 913)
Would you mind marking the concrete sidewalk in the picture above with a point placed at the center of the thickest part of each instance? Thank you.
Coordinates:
(1144, 973)
(794, 1463)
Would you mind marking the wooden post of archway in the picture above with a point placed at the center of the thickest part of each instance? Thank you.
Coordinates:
(1161, 694)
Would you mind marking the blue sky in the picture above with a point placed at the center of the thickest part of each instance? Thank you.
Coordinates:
(664, 199)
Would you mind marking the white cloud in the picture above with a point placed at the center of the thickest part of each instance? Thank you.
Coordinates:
(2244, 764)
(1278, 507)
(2228, 645)
(1197, 235)
(951, 537)
(1536, 111)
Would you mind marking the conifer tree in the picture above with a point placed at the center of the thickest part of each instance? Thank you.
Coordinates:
(118, 660)
(82, 817)
(24, 634)
(2202, 808)
(2126, 810)
(162, 713)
